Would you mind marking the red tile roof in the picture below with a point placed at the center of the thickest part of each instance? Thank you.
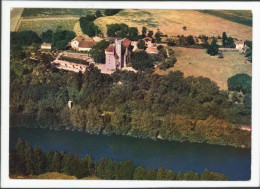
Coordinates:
(147, 39)
(126, 42)
(86, 44)
(240, 42)
(110, 48)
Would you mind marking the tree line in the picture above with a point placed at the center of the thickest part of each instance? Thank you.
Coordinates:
(25, 160)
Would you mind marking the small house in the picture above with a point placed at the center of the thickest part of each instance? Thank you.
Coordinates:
(46, 46)
(80, 44)
(239, 45)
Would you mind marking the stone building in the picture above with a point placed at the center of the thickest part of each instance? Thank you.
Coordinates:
(117, 54)
(80, 44)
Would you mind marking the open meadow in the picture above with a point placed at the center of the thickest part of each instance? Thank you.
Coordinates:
(171, 22)
(196, 62)
(15, 18)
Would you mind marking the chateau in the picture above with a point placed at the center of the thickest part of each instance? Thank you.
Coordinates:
(117, 54)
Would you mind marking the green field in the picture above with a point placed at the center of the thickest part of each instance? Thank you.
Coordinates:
(40, 26)
(46, 12)
(239, 16)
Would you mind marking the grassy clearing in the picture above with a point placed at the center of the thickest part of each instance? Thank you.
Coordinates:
(15, 17)
(195, 62)
(47, 12)
(40, 26)
(239, 16)
(171, 22)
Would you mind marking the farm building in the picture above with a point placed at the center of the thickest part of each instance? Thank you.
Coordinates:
(117, 54)
(80, 44)
(46, 46)
(239, 45)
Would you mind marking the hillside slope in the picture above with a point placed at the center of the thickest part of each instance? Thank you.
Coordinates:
(171, 22)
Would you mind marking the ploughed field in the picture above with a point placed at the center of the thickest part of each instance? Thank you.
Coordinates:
(196, 62)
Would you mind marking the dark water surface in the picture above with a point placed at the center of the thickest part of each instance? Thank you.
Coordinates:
(235, 163)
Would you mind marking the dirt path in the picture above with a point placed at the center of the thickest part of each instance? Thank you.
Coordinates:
(16, 18)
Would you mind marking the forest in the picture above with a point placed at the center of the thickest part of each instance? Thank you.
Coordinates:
(142, 104)
(25, 160)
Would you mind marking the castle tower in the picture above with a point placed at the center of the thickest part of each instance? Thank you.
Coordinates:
(118, 46)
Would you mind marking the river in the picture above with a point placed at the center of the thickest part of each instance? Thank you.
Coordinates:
(234, 162)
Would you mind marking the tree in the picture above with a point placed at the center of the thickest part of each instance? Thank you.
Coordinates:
(24, 38)
(140, 173)
(141, 44)
(97, 52)
(190, 40)
(38, 160)
(144, 31)
(98, 14)
(213, 48)
(117, 30)
(240, 82)
(61, 38)
(111, 12)
(47, 36)
(160, 174)
(141, 60)
(224, 39)
(170, 42)
(150, 33)
(158, 36)
(126, 170)
(133, 33)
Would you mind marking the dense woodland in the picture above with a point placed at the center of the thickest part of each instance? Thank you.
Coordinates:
(142, 104)
(25, 160)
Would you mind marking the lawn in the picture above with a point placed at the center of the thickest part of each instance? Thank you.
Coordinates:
(40, 26)
(195, 62)
(171, 22)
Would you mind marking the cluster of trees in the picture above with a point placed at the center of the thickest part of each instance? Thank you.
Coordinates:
(122, 31)
(168, 62)
(24, 38)
(88, 26)
(111, 12)
(74, 60)
(212, 49)
(25, 160)
(248, 52)
(97, 52)
(227, 41)
(144, 105)
(59, 39)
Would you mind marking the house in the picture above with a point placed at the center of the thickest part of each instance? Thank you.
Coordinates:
(46, 46)
(239, 45)
(117, 54)
(80, 44)
(152, 50)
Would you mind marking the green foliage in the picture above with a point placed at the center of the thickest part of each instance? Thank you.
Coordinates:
(141, 60)
(88, 27)
(132, 33)
(190, 40)
(240, 82)
(24, 38)
(47, 36)
(24, 161)
(117, 30)
(111, 12)
(213, 48)
(98, 14)
(170, 42)
(97, 52)
(158, 36)
(150, 33)
(141, 44)
(144, 31)
(61, 38)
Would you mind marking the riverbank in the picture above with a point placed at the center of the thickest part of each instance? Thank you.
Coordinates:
(225, 135)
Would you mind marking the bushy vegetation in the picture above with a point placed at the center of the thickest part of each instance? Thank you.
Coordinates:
(24, 38)
(228, 41)
(240, 82)
(88, 26)
(111, 12)
(122, 31)
(213, 48)
(25, 160)
(97, 52)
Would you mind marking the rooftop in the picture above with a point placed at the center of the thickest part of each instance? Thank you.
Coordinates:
(110, 48)
(87, 44)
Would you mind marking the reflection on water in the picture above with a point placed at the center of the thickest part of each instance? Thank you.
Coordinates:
(233, 162)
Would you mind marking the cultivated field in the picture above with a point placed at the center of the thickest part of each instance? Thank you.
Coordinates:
(15, 18)
(41, 25)
(171, 22)
(195, 62)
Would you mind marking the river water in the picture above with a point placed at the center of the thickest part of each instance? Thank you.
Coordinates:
(234, 162)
